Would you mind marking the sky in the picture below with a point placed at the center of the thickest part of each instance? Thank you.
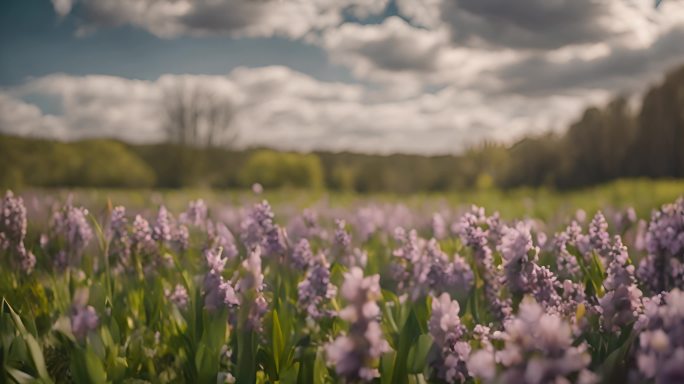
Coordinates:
(375, 76)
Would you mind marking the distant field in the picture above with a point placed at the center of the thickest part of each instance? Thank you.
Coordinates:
(541, 203)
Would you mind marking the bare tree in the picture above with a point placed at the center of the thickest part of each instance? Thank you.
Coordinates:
(197, 116)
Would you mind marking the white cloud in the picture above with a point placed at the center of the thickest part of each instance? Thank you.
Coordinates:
(236, 18)
(62, 7)
(281, 108)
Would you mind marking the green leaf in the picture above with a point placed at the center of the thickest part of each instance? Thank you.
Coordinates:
(417, 356)
(407, 338)
(96, 371)
(37, 357)
(277, 341)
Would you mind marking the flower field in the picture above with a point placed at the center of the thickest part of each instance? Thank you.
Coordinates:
(375, 292)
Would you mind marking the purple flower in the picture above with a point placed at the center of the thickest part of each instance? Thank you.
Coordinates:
(220, 236)
(13, 226)
(353, 354)
(660, 349)
(663, 269)
(13, 219)
(250, 288)
(71, 224)
(181, 237)
(342, 240)
(474, 230)
(316, 289)
(120, 242)
(539, 348)
(301, 256)
(83, 317)
(566, 262)
(161, 232)
(179, 296)
(519, 256)
(599, 239)
(142, 235)
(447, 332)
(439, 227)
(218, 293)
(196, 214)
(621, 304)
(259, 229)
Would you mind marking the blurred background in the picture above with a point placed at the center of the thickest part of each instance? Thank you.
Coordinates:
(366, 96)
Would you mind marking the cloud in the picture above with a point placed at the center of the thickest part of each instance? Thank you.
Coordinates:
(285, 109)
(236, 18)
(621, 69)
(536, 24)
(62, 7)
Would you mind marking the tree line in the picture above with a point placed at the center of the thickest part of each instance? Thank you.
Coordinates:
(605, 143)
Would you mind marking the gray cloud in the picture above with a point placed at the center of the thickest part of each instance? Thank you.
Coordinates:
(393, 45)
(238, 18)
(537, 24)
(622, 69)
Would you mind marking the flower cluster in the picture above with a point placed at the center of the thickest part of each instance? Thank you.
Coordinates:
(316, 289)
(13, 227)
(621, 304)
(475, 230)
(259, 229)
(539, 348)
(352, 355)
(663, 268)
(71, 226)
(421, 268)
(448, 332)
(660, 347)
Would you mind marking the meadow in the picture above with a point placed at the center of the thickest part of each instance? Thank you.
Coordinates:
(307, 286)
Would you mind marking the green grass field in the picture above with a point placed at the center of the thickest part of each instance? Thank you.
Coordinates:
(641, 194)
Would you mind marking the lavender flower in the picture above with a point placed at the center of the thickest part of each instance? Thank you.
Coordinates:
(181, 237)
(352, 355)
(196, 214)
(316, 289)
(599, 239)
(621, 304)
(220, 236)
(179, 296)
(13, 226)
(27, 260)
(13, 219)
(83, 317)
(566, 262)
(162, 230)
(120, 242)
(475, 237)
(342, 240)
(660, 350)
(259, 229)
(250, 288)
(539, 348)
(71, 224)
(301, 256)
(218, 293)
(663, 269)
(447, 332)
(519, 256)
(439, 227)
(142, 235)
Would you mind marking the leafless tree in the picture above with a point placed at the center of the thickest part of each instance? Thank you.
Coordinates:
(197, 116)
